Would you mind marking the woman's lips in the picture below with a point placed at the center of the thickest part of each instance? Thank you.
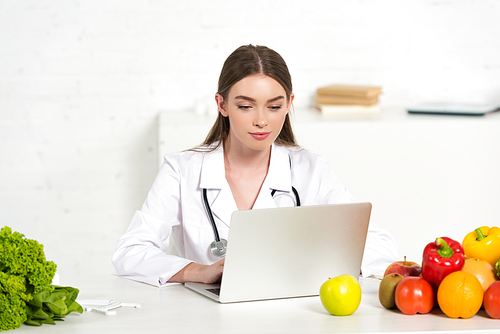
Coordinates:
(260, 135)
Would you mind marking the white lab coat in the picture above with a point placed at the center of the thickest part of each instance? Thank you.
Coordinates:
(175, 203)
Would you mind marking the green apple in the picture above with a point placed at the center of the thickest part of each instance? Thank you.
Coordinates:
(341, 295)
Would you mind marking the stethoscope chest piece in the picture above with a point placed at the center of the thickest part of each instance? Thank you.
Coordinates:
(218, 248)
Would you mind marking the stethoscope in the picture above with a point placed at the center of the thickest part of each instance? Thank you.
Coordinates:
(218, 246)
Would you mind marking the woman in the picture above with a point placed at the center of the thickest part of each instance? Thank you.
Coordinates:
(249, 160)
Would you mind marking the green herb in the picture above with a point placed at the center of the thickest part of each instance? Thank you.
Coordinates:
(26, 293)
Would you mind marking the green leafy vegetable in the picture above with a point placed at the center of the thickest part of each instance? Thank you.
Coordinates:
(26, 293)
(44, 308)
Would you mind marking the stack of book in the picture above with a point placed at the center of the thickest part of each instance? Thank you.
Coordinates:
(348, 99)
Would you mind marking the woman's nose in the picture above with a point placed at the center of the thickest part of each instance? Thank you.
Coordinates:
(260, 119)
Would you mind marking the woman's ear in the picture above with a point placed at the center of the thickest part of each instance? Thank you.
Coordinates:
(290, 100)
(221, 105)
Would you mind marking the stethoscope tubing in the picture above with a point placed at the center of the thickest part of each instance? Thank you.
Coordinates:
(297, 198)
(210, 215)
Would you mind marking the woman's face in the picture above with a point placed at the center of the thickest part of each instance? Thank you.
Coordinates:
(256, 106)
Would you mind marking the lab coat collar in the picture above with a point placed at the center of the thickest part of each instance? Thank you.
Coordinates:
(219, 193)
(279, 177)
(213, 175)
(213, 178)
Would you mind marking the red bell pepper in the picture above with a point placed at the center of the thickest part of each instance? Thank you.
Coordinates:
(441, 258)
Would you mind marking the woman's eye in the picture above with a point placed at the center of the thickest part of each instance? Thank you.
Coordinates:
(275, 107)
(244, 107)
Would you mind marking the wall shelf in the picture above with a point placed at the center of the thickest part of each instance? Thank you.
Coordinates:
(426, 175)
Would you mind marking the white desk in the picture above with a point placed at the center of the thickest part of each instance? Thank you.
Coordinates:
(176, 309)
(426, 175)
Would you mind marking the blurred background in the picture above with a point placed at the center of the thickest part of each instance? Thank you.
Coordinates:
(82, 84)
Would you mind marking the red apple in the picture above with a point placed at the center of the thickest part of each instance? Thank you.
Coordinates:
(405, 268)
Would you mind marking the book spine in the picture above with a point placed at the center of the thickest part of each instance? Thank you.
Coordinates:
(346, 91)
(345, 100)
(330, 109)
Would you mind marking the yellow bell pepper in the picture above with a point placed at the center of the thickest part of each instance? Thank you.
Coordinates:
(483, 243)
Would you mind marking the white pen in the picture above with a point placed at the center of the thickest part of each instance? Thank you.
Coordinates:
(105, 312)
(136, 305)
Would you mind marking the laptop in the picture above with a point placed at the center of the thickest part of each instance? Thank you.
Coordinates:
(289, 252)
(454, 109)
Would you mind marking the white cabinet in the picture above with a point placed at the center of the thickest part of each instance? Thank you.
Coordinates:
(427, 176)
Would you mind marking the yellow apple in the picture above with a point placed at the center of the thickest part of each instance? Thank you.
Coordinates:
(341, 295)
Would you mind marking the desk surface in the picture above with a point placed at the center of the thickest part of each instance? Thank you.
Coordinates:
(175, 309)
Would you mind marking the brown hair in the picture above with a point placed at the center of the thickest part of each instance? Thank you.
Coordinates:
(244, 61)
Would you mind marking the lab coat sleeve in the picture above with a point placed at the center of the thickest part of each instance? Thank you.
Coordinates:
(140, 253)
(380, 251)
(380, 247)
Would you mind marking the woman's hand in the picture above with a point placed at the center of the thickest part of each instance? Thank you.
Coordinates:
(195, 272)
(212, 273)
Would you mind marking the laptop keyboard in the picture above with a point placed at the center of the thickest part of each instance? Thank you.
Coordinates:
(215, 291)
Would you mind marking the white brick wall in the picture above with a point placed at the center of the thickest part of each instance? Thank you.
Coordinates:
(82, 82)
